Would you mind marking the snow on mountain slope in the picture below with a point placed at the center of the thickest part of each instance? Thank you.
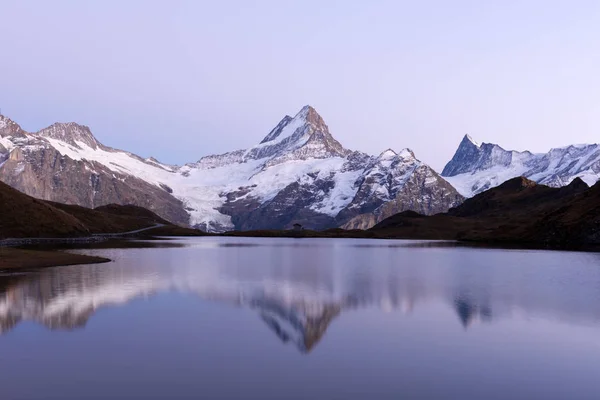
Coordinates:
(298, 173)
(393, 183)
(66, 164)
(343, 191)
(478, 167)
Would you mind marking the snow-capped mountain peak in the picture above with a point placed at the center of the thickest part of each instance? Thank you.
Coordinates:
(311, 115)
(10, 135)
(70, 133)
(467, 154)
(3, 122)
(387, 154)
(302, 137)
(468, 138)
(475, 168)
(283, 130)
(9, 128)
(277, 130)
(407, 153)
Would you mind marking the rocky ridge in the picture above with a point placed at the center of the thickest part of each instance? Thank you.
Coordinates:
(477, 167)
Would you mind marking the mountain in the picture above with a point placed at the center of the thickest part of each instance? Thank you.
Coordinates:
(299, 173)
(65, 163)
(392, 183)
(477, 167)
(519, 211)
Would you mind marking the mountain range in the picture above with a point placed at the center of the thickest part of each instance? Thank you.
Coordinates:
(298, 173)
(477, 167)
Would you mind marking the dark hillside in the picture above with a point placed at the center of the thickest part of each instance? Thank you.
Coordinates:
(518, 211)
(25, 216)
(22, 216)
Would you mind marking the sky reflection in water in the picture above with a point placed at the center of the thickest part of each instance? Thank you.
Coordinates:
(382, 318)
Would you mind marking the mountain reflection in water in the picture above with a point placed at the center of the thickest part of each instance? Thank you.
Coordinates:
(298, 288)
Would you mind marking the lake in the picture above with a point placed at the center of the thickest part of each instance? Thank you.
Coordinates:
(259, 318)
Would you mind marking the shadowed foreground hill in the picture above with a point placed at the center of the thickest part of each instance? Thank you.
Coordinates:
(112, 218)
(22, 216)
(25, 216)
(518, 211)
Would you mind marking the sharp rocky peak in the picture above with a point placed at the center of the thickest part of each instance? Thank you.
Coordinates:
(468, 140)
(402, 154)
(467, 156)
(302, 137)
(407, 153)
(389, 153)
(307, 115)
(8, 127)
(310, 115)
(71, 133)
(275, 132)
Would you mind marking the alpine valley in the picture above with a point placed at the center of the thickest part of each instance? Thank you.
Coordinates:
(299, 173)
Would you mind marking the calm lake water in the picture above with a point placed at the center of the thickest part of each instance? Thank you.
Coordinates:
(227, 318)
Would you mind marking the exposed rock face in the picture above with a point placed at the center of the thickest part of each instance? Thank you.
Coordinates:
(9, 128)
(302, 137)
(72, 134)
(10, 133)
(478, 167)
(467, 155)
(396, 183)
(299, 173)
(37, 168)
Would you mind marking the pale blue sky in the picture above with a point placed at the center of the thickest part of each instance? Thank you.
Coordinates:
(183, 79)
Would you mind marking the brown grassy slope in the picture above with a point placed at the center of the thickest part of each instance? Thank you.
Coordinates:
(25, 216)
(22, 216)
(115, 221)
(18, 258)
(130, 210)
(142, 214)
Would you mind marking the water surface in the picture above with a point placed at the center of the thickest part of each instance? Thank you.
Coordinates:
(263, 318)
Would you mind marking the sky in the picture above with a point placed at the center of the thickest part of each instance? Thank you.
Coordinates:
(178, 79)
